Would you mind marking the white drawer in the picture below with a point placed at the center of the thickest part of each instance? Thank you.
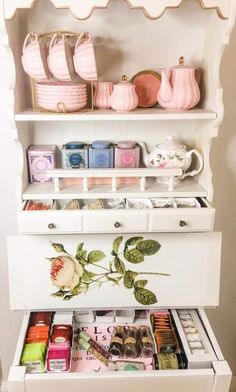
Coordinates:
(115, 221)
(182, 219)
(49, 222)
(214, 379)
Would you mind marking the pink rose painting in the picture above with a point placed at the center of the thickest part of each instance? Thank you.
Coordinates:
(76, 275)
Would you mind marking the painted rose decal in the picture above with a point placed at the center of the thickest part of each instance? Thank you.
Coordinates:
(66, 272)
(82, 273)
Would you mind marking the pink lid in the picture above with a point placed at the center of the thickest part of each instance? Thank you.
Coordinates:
(42, 148)
(126, 144)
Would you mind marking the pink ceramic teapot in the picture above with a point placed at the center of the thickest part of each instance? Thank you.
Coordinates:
(179, 88)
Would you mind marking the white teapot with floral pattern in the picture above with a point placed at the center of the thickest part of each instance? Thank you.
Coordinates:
(171, 154)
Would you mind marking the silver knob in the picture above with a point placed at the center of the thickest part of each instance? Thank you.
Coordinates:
(182, 223)
(117, 224)
(51, 226)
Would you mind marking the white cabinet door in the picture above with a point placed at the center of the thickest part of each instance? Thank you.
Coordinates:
(180, 270)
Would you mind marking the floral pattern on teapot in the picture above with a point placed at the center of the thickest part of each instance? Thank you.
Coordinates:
(169, 160)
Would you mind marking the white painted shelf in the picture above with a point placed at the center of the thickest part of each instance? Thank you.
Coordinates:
(110, 115)
(187, 188)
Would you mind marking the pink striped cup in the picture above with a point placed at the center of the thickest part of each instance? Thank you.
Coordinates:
(60, 60)
(84, 58)
(34, 58)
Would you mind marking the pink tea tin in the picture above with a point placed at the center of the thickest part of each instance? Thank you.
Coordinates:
(127, 154)
(40, 159)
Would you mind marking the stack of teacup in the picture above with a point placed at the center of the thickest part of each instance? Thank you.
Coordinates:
(44, 65)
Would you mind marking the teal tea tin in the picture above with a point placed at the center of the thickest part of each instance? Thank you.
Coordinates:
(75, 155)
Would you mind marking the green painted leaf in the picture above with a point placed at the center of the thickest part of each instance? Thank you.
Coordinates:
(81, 256)
(88, 276)
(68, 297)
(140, 283)
(59, 294)
(134, 256)
(95, 256)
(116, 244)
(148, 247)
(129, 279)
(51, 259)
(59, 248)
(119, 265)
(145, 297)
(75, 291)
(79, 247)
(133, 241)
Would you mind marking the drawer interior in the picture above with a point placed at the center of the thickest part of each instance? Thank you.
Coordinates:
(154, 215)
(148, 340)
(209, 376)
(166, 204)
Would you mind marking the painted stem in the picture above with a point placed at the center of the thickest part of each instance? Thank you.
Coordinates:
(153, 273)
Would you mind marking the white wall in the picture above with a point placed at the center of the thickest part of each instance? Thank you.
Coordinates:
(224, 167)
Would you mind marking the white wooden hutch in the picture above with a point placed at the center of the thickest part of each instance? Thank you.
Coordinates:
(129, 36)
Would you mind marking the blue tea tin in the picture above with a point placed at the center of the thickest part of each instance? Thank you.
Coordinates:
(101, 154)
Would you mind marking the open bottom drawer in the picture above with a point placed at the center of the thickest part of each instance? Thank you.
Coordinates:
(215, 378)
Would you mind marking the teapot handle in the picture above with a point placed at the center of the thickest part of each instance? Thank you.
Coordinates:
(196, 171)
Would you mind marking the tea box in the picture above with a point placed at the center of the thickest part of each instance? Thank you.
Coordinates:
(101, 154)
(127, 154)
(41, 158)
(75, 155)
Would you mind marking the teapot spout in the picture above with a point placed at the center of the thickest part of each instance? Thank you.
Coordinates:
(165, 93)
(145, 153)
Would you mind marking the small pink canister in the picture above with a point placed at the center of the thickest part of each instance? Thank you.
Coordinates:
(127, 154)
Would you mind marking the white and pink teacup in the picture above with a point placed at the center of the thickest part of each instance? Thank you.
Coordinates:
(34, 58)
(84, 58)
(60, 59)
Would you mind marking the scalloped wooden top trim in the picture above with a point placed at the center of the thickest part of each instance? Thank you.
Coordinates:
(83, 9)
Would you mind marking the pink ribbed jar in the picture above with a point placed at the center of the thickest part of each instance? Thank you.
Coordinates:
(102, 94)
(124, 97)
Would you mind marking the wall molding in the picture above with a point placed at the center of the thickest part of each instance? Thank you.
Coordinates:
(4, 387)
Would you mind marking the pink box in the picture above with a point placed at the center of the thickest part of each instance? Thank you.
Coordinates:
(81, 361)
(40, 159)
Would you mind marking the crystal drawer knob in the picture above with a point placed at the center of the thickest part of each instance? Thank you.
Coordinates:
(182, 223)
(51, 226)
(117, 224)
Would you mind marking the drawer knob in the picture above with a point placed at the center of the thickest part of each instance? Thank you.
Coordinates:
(117, 224)
(51, 226)
(182, 223)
